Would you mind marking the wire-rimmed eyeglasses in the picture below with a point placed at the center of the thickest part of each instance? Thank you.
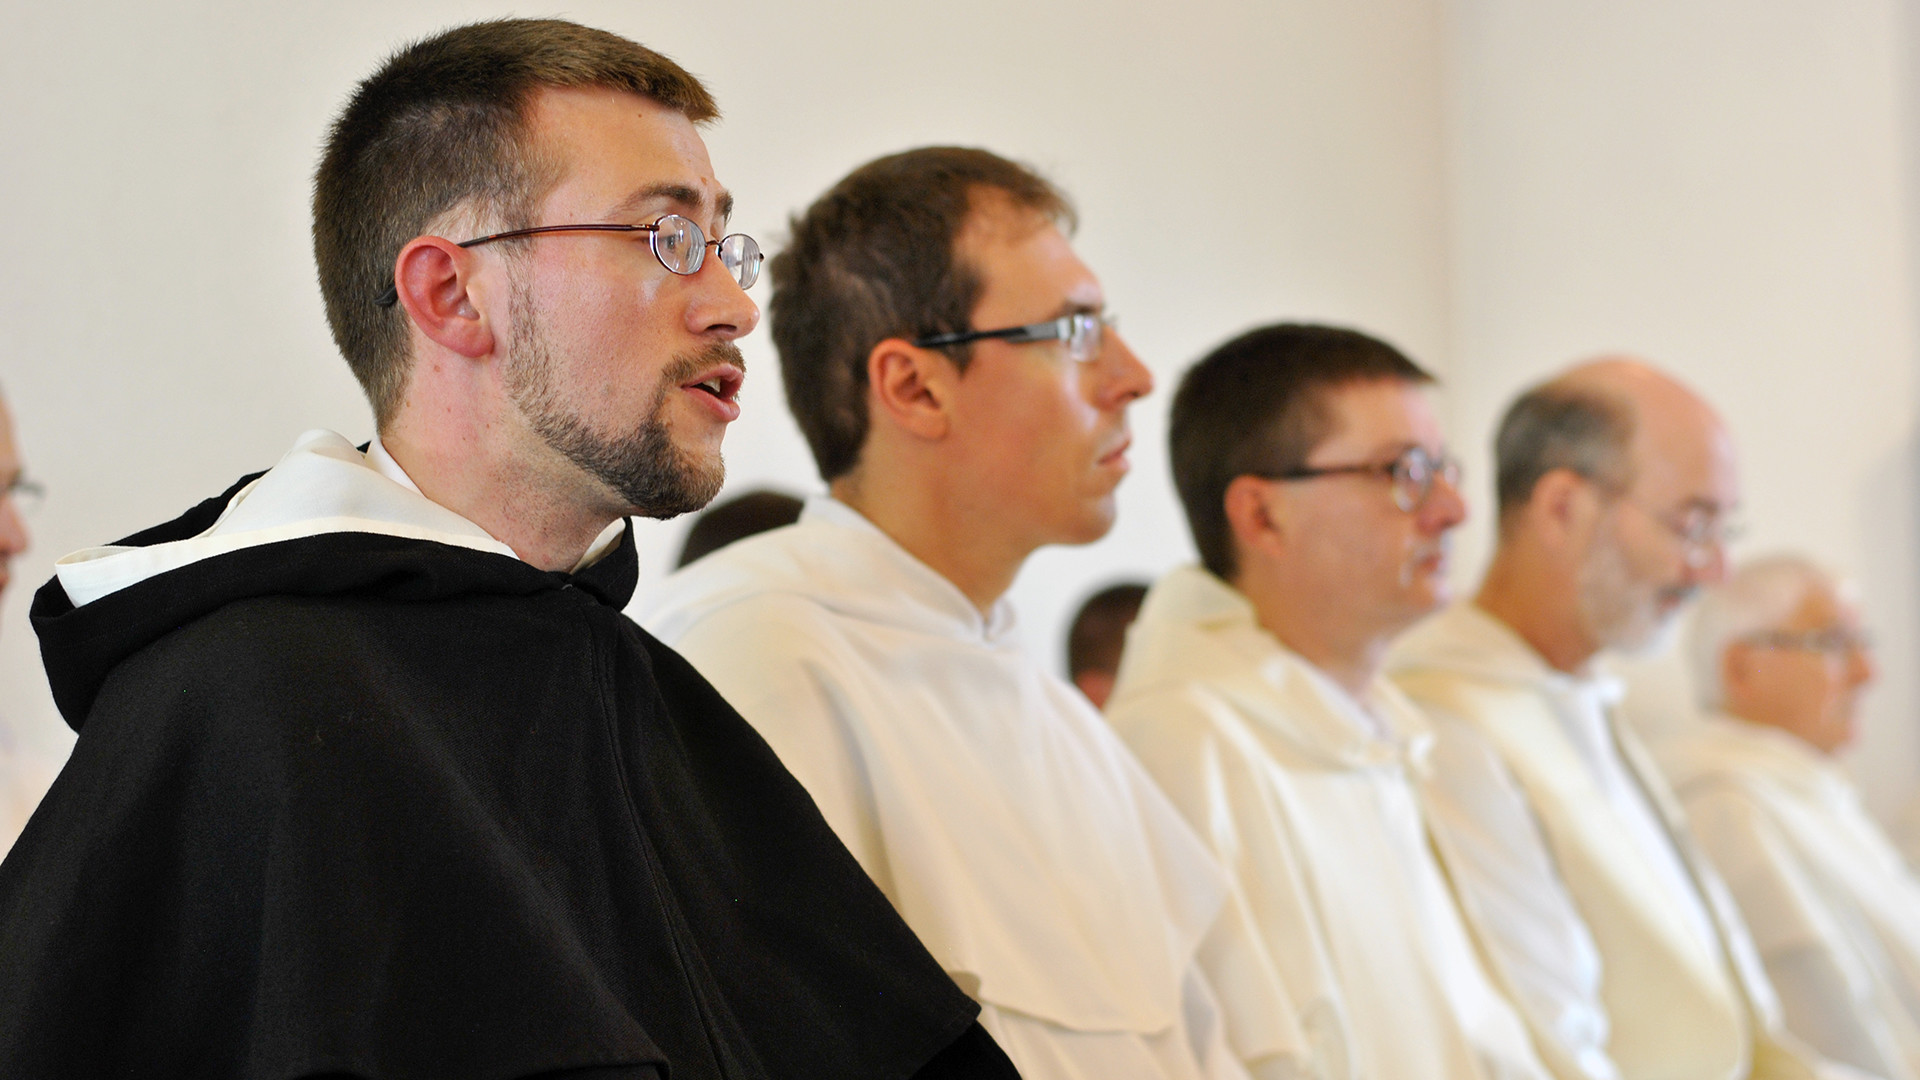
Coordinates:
(679, 244)
(1083, 332)
(25, 494)
(1831, 641)
(1412, 474)
(1701, 529)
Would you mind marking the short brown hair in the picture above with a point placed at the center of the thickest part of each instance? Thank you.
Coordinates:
(1258, 405)
(1098, 633)
(1556, 426)
(735, 519)
(441, 123)
(871, 259)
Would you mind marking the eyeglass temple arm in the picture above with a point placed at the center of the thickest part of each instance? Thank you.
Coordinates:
(1308, 472)
(1041, 331)
(392, 294)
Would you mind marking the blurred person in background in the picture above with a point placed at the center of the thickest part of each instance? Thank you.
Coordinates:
(1097, 637)
(1780, 663)
(1320, 495)
(24, 776)
(747, 514)
(1615, 485)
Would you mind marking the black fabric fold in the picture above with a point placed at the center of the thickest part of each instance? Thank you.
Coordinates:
(379, 807)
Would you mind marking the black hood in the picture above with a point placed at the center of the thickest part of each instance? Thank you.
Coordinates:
(80, 646)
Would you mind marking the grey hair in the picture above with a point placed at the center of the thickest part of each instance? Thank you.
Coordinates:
(1555, 426)
(1760, 595)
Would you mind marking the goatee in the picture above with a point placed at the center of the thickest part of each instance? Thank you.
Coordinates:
(654, 477)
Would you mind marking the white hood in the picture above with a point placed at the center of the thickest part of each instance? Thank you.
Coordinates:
(323, 485)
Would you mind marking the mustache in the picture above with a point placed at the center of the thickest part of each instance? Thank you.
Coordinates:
(687, 365)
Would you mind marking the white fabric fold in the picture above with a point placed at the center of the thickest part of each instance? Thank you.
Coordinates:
(1683, 986)
(1012, 829)
(1305, 793)
(1834, 910)
(324, 484)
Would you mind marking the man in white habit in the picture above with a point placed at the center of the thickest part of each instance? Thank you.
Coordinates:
(953, 368)
(1779, 662)
(1320, 495)
(1614, 487)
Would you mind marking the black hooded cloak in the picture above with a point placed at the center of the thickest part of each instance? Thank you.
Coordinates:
(356, 804)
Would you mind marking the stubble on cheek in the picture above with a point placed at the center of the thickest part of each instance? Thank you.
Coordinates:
(650, 473)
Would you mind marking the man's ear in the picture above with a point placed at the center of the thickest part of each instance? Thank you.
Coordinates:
(911, 387)
(1257, 521)
(1564, 504)
(433, 278)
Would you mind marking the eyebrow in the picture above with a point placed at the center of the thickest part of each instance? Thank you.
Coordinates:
(1706, 505)
(1074, 307)
(1396, 448)
(687, 197)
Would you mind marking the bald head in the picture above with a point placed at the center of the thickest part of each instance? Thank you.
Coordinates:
(1612, 421)
(1615, 481)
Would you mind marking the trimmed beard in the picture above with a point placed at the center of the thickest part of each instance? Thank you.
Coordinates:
(654, 477)
(1616, 611)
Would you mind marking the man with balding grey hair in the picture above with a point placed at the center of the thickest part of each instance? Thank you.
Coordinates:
(1615, 484)
(1779, 663)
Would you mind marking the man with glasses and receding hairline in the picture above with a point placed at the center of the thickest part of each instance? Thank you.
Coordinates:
(1320, 493)
(951, 362)
(1780, 665)
(374, 780)
(1616, 485)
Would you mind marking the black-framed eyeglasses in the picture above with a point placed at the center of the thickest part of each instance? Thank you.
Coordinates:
(1083, 332)
(1412, 474)
(679, 244)
(1831, 641)
(25, 494)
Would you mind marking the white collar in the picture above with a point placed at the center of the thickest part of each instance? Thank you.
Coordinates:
(322, 485)
(1195, 628)
(383, 462)
(1468, 639)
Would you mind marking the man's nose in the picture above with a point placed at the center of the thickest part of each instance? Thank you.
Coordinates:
(1445, 506)
(721, 308)
(1707, 562)
(13, 528)
(1123, 377)
(1861, 668)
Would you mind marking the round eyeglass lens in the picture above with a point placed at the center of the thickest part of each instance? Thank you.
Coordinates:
(679, 244)
(1412, 479)
(740, 254)
(1083, 337)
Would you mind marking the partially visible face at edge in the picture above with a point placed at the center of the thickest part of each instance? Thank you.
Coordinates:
(1636, 575)
(1808, 693)
(13, 530)
(1046, 436)
(622, 368)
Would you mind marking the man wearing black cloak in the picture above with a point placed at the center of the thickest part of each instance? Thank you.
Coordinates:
(373, 777)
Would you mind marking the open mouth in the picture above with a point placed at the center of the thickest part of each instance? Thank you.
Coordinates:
(721, 383)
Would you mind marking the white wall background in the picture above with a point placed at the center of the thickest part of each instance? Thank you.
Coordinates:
(1500, 186)
(1722, 186)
